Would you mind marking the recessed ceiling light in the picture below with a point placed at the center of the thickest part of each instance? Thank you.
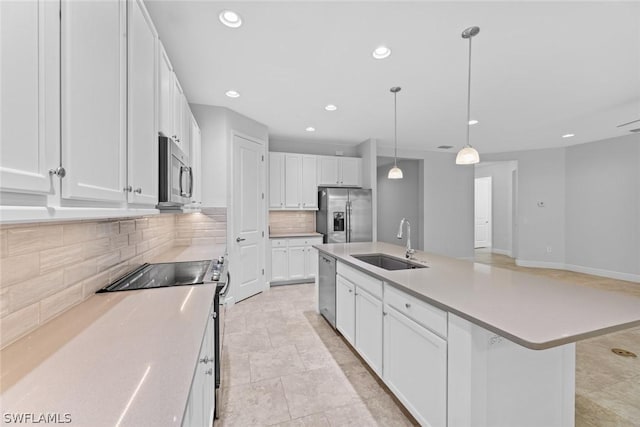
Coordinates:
(230, 18)
(232, 94)
(330, 107)
(569, 135)
(473, 122)
(310, 129)
(381, 52)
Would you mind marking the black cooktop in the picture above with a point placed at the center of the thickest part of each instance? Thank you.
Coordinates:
(161, 275)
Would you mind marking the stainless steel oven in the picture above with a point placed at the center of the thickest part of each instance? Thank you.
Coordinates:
(176, 176)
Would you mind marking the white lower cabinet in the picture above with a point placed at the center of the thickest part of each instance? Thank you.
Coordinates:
(201, 404)
(345, 308)
(415, 367)
(368, 331)
(294, 258)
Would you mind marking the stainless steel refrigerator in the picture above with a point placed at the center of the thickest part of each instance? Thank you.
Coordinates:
(344, 215)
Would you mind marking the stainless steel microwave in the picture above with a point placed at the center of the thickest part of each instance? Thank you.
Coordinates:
(176, 176)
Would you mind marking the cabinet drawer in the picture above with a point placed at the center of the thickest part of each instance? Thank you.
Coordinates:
(425, 314)
(304, 241)
(278, 243)
(363, 280)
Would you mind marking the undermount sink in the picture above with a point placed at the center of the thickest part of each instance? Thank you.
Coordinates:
(388, 262)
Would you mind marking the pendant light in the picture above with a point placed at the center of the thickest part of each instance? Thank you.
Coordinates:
(468, 155)
(395, 172)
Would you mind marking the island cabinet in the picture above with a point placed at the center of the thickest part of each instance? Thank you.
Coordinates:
(415, 356)
(359, 313)
(446, 370)
(200, 407)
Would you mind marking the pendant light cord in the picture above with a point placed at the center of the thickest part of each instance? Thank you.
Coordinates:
(395, 129)
(469, 94)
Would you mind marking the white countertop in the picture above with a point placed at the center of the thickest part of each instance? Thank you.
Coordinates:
(117, 359)
(299, 234)
(532, 311)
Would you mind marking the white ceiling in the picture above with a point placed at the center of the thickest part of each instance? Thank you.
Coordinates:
(540, 69)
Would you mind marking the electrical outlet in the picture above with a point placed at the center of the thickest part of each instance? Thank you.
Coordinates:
(549, 249)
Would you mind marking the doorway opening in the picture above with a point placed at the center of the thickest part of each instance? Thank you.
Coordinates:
(495, 212)
(400, 198)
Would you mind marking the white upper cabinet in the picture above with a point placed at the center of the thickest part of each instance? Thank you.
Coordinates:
(29, 94)
(339, 171)
(142, 141)
(292, 181)
(176, 107)
(94, 100)
(328, 171)
(292, 184)
(350, 171)
(165, 93)
(276, 180)
(309, 192)
(196, 162)
(185, 139)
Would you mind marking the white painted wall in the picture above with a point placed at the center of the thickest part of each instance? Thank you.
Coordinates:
(447, 202)
(501, 203)
(216, 125)
(541, 178)
(368, 150)
(397, 199)
(603, 215)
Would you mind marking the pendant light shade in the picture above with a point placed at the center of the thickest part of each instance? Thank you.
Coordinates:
(395, 172)
(468, 155)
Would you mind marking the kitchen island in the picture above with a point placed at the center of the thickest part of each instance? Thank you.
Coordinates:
(464, 344)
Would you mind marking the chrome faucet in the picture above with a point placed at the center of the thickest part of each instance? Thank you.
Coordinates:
(410, 251)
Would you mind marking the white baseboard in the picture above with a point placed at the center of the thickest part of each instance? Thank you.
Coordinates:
(580, 269)
(501, 251)
(540, 264)
(604, 273)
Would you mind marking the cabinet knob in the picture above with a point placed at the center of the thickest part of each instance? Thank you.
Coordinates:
(350, 290)
(304, 204)
(209, 372)
(407, 305)
(60, 172)
(127, 189)
(206, 360)
(138, 190)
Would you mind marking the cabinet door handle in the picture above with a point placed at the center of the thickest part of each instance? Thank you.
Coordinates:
(138, 190)
(240, 239)
(350, 290)
(60, 172)
(127, 189)
(209, 372)
(407, 305)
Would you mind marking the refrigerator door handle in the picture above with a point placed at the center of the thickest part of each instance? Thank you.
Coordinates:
(347, 224)
(349, 221)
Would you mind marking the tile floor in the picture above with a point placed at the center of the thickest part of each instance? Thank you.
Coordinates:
(283, 365)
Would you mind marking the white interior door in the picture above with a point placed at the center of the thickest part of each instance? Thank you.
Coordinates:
(247, 262)
(483, 212)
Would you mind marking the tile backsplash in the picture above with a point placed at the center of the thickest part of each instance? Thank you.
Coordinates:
(46, 268)
(283, 222)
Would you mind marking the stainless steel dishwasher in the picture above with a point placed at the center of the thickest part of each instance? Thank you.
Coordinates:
(327, 287)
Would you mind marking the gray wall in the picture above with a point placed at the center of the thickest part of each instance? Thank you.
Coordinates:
(501, 203)
(447, 202)
(397, 199)
(541, 178)
(216, 125)
(603, 216)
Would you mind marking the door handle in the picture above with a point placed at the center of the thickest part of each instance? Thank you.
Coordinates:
(240, 239)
